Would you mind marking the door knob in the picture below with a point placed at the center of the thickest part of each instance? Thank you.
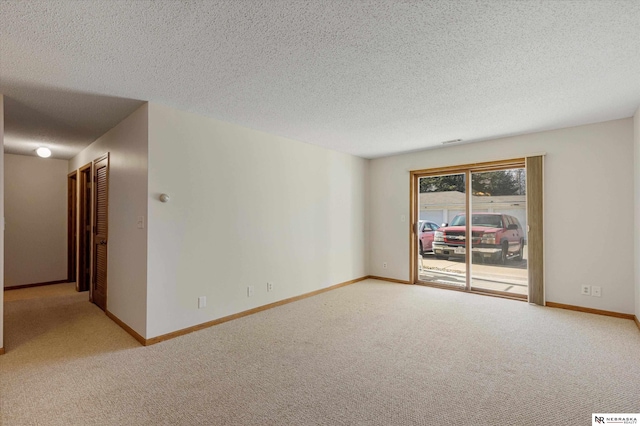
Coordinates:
(103, 242)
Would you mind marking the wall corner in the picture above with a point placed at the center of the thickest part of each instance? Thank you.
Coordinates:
(636, 192)
(2, 223)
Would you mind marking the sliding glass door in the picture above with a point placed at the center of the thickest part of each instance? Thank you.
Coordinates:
(488, 253)
(442, 200)
(499, 218)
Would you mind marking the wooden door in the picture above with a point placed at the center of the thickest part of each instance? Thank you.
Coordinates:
(100, 231)
(84, 230)
(72, 226)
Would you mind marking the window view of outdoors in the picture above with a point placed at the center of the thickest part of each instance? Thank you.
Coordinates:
(441, 199)
(498, 227)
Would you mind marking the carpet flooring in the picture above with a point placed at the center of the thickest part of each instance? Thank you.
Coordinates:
(371, 353)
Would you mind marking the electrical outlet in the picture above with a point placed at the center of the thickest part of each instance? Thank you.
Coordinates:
(586, 290)
(202, 302)
(384, 265)
(250, 291)
(596, 291)
(269, 286)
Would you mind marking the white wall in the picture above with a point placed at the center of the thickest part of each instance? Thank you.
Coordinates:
(127, 144)
(36, 219)
(209, 241)
(636, 136)
(588, 203)
(1, 221)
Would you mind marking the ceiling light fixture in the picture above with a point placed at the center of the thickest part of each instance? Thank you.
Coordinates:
(43, 152)
(451, 141)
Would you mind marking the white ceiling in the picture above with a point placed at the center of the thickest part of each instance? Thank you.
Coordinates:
(370, 78)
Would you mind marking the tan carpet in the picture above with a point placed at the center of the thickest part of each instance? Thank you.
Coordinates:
(370, 353)
(66, 289)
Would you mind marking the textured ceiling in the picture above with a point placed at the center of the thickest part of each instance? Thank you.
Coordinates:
(369, 78)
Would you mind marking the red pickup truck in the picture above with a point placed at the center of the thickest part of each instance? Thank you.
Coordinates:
(495, 236)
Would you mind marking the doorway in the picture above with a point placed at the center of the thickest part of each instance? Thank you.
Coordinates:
(100, 231)
(72, 217)
(487, 254)
(84, 229)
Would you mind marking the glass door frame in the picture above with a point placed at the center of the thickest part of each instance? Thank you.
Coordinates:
(467, 170)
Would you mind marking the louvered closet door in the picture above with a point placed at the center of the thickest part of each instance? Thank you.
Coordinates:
(100, 231)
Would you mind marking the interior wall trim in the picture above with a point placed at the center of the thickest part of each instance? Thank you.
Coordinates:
(126, 328)
(17, 287)
(590, 310)
(447, 166)
(635, 318)
(208, 324)
(486, 166)
(197, 327)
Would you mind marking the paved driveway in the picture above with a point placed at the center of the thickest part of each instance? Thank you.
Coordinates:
(511, 277)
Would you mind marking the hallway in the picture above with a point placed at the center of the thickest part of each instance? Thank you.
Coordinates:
(57, 318)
